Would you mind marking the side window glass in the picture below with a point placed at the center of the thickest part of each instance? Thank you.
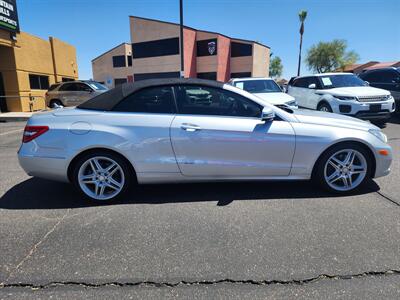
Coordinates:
(313, 80)
(374, 76)
(200, 100)
(149, 100)
(301, 82)
(83, 87)
(65, 87)
(390, 76)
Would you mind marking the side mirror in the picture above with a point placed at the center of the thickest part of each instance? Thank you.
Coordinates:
(366, 83)
(267, 114)
(312, 86)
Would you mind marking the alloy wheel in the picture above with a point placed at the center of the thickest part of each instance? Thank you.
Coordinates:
(101, 178)
(324, 108)
(345, 170)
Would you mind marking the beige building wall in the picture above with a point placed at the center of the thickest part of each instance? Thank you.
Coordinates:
(241, 64)
(143, 30)
(207, 64)
(260, 61)
(103, 69)
(33, 55)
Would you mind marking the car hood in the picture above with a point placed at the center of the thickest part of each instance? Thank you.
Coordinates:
(356, 91)
(331, 119)
(275, 98)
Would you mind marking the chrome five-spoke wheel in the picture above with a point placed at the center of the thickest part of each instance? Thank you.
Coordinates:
(101, 178)
(345, 170)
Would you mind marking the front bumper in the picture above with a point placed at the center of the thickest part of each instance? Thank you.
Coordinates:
(377, 110)
(382, 166)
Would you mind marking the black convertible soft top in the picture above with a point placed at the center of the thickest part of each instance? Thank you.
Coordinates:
(108, 100)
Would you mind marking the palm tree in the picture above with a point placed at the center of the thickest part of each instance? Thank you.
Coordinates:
(302, 18)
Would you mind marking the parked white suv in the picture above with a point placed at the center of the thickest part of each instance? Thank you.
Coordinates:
(343, 93)
(266, 89)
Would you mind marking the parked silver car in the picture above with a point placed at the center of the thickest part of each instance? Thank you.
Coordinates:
(185, 130)
(73, 93)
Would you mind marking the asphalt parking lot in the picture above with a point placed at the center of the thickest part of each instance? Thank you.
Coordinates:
(226, 240)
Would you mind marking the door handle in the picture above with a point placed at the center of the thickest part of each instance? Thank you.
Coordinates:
(190, 127)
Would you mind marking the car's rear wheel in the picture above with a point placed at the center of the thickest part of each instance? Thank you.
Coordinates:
(325, 107)
(102, 176)
(56, 104)
(343, 168)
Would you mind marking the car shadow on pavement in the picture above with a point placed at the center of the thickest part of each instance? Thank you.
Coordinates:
(395, 119)
(37, 193)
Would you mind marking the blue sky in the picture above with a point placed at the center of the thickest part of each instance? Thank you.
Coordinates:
(371, 27)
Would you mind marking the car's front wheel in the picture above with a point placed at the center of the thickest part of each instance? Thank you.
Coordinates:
(56, 104)
(102, 176)
(325, 107)
(343, 168)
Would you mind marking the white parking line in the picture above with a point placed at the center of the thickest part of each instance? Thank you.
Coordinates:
(12, 131)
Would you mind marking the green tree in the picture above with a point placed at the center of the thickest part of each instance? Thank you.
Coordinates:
(302, 18)
(330, 56)
(276, 68)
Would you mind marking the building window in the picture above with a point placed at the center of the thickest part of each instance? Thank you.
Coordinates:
(119, 61)
(144, 76)
(119, 81)
(240, 74)
(66, 79)
(156, 48)
(129, 60)
(38, 82)
(207, 47)
(207, 75)
(240, 49)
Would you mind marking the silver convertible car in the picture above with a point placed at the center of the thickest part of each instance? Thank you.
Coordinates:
(186, 130)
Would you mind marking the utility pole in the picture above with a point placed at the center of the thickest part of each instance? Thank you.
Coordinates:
(181, 38)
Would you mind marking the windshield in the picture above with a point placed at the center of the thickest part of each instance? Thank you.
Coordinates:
(258, 86)
(336, 81)
(97, 86)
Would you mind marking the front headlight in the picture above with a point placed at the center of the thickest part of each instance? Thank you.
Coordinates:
(387, 97)
(345, 98)
(379, 134)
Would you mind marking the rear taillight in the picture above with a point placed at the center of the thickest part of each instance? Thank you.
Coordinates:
(32, 132)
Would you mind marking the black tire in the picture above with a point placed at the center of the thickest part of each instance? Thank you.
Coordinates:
(54, 103)
(319, 170)
(324, 107)
(128, 174)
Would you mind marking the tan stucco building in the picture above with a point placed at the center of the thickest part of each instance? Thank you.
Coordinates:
(154, 52)
(114, 67)
(29, 65)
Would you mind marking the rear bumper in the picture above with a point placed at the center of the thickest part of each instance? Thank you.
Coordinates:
(48, 167)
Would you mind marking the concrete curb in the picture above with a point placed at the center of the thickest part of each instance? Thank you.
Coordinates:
(15, 116)
(13, 119)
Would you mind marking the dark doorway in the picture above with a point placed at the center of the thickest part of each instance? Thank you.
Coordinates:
(3, 102)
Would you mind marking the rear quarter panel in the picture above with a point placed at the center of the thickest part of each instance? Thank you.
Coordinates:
(143, 140)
